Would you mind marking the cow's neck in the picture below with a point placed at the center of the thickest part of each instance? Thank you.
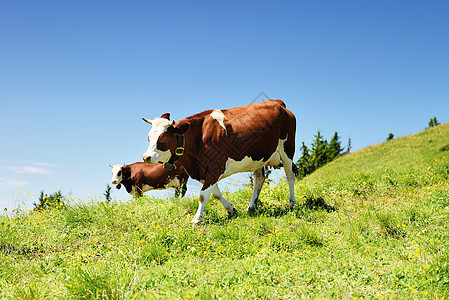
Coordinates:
(193, 147)
(128, 184)
(127, 181)
(179, 151)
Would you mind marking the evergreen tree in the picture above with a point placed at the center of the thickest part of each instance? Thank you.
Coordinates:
(390, 136)
(334, 148)
(348, 149)
(433, 122)
(304, 162)
(107, 193)
(319, 151)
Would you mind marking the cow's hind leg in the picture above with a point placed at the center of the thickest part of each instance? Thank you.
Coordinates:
(291, 176)
(217, 195)
(258, 180)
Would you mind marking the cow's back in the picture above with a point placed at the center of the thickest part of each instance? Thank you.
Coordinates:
(253, 130)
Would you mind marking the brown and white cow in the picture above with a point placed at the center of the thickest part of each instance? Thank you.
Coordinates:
(139, 178)
(215, 144)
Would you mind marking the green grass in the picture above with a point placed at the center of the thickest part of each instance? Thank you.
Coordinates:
(373, 224)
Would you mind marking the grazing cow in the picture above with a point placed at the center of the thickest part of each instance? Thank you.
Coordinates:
(215, 144)
(139, 178)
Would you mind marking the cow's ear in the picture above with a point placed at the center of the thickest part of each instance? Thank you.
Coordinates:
(166, 116)
(181, 127)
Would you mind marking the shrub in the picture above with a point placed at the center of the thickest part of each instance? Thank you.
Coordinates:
(433, 122)
(55, 200)
(107, 193)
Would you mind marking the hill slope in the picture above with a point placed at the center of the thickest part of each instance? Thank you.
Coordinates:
(405, 168)
(372, 224)
(415, 151)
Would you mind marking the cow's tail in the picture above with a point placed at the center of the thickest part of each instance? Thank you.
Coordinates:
(295, 169)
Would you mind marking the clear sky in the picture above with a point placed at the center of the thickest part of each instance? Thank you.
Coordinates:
(77, 76)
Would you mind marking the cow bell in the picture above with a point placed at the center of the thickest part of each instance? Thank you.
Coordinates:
(118, 186)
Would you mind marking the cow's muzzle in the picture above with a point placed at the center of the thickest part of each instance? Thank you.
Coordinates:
(147, 159)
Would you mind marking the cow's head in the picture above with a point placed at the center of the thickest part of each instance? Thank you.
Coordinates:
(117, 174)
(162, 138)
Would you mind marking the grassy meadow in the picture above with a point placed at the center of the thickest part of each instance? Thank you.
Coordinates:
(370, 225)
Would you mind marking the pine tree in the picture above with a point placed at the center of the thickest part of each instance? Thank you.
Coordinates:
(348, 149)
(334, 148)
(319, 151)
(433, 122)
(304, 162)
(107, 193)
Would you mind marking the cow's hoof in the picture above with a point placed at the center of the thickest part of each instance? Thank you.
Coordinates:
(234, 211)
(195, 221)
(251, 211)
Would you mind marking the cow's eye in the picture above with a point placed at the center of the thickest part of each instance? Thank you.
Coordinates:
(119, 173)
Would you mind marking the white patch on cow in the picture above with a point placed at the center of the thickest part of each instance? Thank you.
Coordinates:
(160, 126)
(247, 164)
(174, 183)
(204, 197)
(116, 178)
(219, 117)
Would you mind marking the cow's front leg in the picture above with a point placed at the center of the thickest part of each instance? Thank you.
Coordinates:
(204, 196)
(217, 194)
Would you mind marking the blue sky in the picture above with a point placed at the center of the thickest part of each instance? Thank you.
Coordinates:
(77, 76)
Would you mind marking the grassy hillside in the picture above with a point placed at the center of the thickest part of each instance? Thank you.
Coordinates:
(373, 224)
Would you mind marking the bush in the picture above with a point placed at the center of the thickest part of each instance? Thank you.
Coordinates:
(433, 122)
(55, 200)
